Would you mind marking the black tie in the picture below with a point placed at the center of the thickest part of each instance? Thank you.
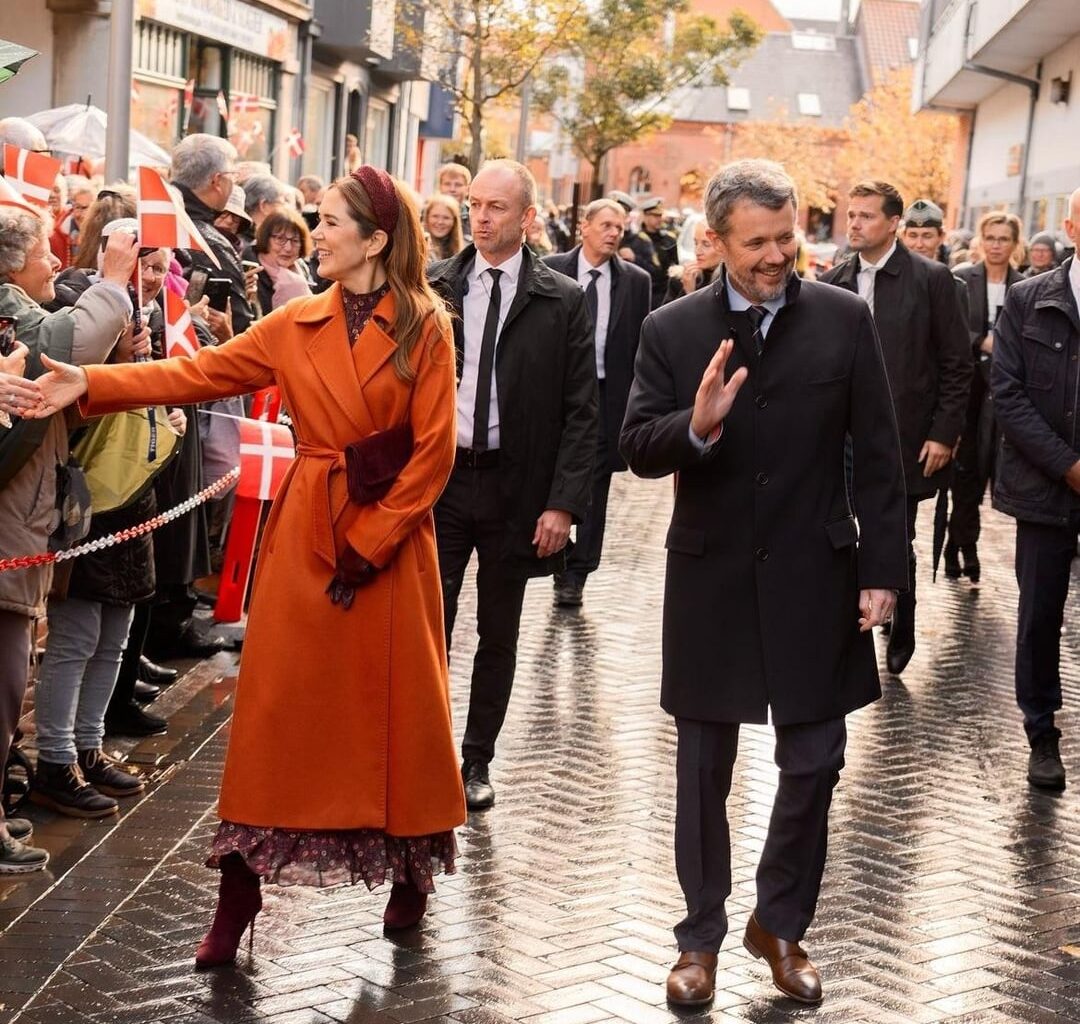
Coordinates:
(757, 314)
(592, 302)
(487, 364)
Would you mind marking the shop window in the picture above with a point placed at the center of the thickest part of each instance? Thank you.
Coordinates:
(640, 180)
(738, 98)
(319, 131)
(377, 136)
(157, 113)
(809, 104)
(1040, 210)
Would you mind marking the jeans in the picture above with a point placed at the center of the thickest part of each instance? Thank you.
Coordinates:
(82, 659)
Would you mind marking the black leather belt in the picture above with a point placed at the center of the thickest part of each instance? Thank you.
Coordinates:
(471, 458)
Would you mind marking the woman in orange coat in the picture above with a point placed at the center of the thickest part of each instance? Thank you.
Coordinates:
(341, 763)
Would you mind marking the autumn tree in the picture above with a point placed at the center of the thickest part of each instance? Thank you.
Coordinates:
(913, 151)
(482, 51)
(623, 62)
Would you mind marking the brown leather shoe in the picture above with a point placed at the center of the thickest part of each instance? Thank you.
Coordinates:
(792, 972)
(692, 980)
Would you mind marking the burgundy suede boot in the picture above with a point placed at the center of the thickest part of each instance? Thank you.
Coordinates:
(239, 902)
(406, 907)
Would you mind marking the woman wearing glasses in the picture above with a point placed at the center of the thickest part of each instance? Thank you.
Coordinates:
(282, 246)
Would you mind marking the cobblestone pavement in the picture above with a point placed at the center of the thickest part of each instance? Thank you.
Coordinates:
(950, 891)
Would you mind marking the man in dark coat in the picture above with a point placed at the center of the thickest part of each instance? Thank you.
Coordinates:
(636, 246)
(1035, 380)
(527, 425)
(987, 283)
(665, 245)
(772, 588)
(617, 295)
(924, 339)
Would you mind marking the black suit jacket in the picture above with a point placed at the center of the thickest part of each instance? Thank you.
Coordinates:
(631, 297)
(545, 375)
(974, 277)
(765, 561)
(924, 339)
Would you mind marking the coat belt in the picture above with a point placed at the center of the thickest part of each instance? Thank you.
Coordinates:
(324, 511)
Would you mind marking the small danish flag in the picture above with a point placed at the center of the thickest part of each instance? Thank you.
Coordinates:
(10, 196)
(296, 143)
(163, 221)
(31, 174)
(266, 452)
(222, 106)
(244, 103)
(180, 338)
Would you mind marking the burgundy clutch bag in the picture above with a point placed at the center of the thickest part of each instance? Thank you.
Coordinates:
(373, 464)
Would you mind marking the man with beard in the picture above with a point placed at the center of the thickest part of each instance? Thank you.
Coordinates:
(772, 590)
(617, 295)
(924, 339)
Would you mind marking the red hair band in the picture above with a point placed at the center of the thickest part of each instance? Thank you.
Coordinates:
(384, 198)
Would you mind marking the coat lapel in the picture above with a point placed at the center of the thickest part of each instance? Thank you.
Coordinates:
(618, 296)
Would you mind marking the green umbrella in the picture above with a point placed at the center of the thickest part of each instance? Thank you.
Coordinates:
(12, 57)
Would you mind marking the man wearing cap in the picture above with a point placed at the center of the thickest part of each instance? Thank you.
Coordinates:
(618, 296)
(665, 245)
(987, 283)
(924, 230)
(1042, 254)
(636, 246)
(920, 321)
(233, 221)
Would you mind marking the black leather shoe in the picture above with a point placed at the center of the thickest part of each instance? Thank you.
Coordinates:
(1045, 769)
(157, 675)
(193, 642)
(972, 569)
(568, 592)
(146, 693)
(952, 562)
(479, 794)
(902, 635)
(131, 720)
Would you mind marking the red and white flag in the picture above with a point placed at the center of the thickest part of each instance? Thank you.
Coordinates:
(189, 100)
(180, 339)
(163, 221)
(222, 106)
(296, 143)
(11, 196)
(266, 452)
(244, 103)
(32, 175)
(135, 93)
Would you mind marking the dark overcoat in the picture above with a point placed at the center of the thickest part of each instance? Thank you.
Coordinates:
(765, 561)
(545, 375)
(631, 299)
(927, 350)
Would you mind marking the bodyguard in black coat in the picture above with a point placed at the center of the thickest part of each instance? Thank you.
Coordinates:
(618, 295)
(924, 339)
(772, 586)
(527, 424)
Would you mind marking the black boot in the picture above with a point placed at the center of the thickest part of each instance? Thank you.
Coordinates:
(952, 562)
(107, 775)
(62, 788)
(1045, 769)
(902, 635)
(146, 693)
(479, 794)
(158, 675)
(130, 720)
(972, 569)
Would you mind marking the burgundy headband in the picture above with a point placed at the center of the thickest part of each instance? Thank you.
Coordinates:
(384, 198)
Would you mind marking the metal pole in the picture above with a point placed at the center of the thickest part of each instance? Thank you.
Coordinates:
(521, 153)
(118, 108)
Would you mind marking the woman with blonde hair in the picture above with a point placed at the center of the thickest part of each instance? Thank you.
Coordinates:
(442, 224)
(344, 652)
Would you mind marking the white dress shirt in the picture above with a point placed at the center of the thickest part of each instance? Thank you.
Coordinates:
(603, 303)
(868, 274)
(1074, 279)
(474, 310)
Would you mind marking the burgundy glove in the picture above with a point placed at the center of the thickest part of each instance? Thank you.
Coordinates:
(353, 571)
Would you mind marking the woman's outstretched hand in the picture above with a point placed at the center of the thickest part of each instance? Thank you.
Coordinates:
(62, 386)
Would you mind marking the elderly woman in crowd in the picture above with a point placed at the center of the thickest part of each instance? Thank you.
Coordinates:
(699, 271)
(33, 451)
(282, 246)
(263, 195)
(345, 648)
(442, 224)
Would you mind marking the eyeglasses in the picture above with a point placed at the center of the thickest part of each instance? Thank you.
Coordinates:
(286, 240)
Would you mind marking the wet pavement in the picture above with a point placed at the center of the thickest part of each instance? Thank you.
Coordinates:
(952, 890)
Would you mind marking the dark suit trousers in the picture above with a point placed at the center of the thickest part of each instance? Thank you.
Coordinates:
(1044, 556)
(14, 673)
(468, 517)
(584, 556)
(969, 480)
(792, 863)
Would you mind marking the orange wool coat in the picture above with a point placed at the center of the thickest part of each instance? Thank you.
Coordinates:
(342, 718)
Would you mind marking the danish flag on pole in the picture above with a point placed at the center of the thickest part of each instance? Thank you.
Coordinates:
(266, 452)
(180, 339)
(244, 103)
(163, 221)
(222, 106)
(10, 196)
(31, 174)
(296, 143)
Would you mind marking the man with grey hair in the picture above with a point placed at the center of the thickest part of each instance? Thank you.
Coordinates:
(772, 589)
(263, 194)
(204, 171)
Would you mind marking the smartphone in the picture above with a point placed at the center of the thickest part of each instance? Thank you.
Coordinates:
(219, 289)
(7, 335)
(196, 285)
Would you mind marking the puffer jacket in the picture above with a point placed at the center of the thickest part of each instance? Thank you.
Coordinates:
(28, 501)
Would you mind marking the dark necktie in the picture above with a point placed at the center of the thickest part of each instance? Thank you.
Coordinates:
(487, 364)
(592, 301)
(757, 314)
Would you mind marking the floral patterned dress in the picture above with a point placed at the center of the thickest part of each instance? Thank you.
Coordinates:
(330, 857)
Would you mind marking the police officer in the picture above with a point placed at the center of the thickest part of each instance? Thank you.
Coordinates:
(636, 246)
(924, 230)
(665, 245)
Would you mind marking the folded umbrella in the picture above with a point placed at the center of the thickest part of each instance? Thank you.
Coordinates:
(78, 129)
(12, 57)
